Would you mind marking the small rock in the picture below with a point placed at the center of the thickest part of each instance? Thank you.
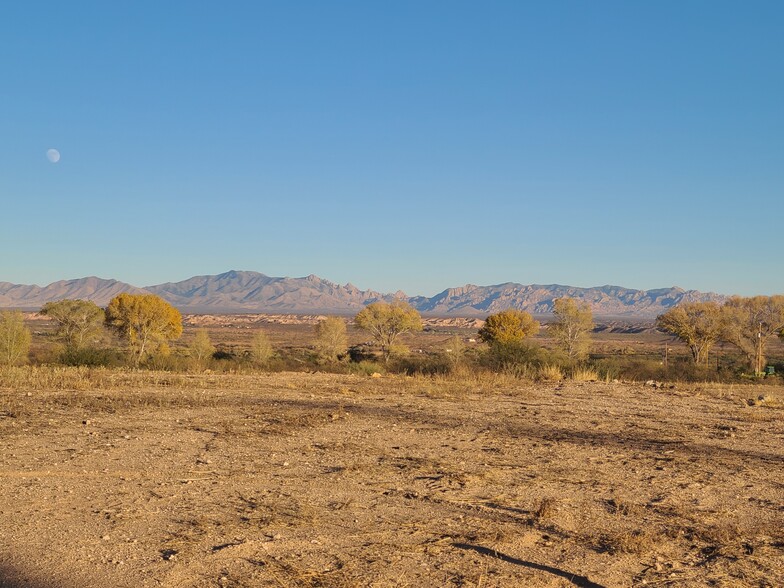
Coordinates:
(169, 554)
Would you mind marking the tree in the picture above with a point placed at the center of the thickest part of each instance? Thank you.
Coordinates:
(331, 340)
(454, 349)
(749, 323)
(201, 347)
(261, 350)
(79, 322)
(387, 321)
(572, 328)
(697, 324)
(145, 321)
(14, 338)
(508, 327)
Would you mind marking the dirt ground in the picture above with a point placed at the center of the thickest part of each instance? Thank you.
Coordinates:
(337, 481)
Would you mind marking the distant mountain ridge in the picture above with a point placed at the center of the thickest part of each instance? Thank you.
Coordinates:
(247, 291)
(98, 290)
(251, 291)
(537, 299)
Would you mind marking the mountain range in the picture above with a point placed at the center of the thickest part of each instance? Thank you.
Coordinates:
(246, 291)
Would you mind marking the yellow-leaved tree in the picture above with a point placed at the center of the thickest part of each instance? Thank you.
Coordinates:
(508, 327)
(145, 321)
(387, 321)
(749, 323)
(201, 348)
(506, 333)
(331, 340)
(698, 324)
(572, 328)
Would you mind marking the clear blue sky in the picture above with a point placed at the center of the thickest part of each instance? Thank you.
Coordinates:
(409, 144)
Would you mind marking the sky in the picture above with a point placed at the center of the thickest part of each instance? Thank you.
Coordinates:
(406, 145)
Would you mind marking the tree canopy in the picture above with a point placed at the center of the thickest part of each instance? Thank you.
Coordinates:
(145, 321)
(79, 322)
(261, 349)
(698, 324)
(508, 327)
(749, 323)
(331, 340)
(201, 347)
(572, 327)
(387, 321)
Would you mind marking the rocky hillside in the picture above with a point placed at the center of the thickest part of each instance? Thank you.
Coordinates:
(473, 300)
(98, 290)
(252, 292)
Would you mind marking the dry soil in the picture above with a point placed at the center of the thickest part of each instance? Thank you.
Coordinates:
(325, 480)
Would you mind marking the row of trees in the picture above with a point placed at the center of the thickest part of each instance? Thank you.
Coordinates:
(145, 321)
(147, 324)
(570, 331)
(747, 323)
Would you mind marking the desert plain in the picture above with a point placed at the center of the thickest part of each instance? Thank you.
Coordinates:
(140, 478)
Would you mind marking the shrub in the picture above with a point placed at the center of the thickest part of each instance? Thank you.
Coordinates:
(261, 350)
(92, 357)
(515, 353)
(14, 338)
(550, 373)
(585, 374)
(366, 368)
(427, 364)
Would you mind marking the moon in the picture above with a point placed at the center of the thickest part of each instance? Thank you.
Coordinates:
(53, 155)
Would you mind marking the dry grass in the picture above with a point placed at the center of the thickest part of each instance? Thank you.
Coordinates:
(585, 375)
(49, 377)
(550, 373)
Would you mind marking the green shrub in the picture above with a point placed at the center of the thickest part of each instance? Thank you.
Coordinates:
(366, 368)
(426, 364)
(92, 357)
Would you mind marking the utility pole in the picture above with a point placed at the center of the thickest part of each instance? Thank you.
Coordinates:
(759, 350)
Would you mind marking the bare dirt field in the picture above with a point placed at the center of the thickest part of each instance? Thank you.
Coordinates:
(133, 479)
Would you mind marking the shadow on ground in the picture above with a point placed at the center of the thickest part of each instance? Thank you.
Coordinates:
(11, 577)
(543, 432)
(579, 581)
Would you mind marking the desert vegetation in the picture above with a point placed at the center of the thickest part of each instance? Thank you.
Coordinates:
(710, 342)
(386, 322)
(747, 323)
(14, 338)
(146, 322)
(307, 451)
